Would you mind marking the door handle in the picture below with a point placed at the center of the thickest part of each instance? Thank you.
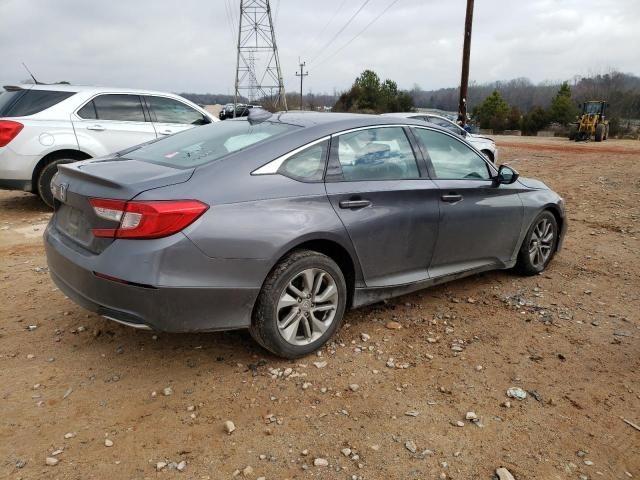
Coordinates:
(354, 203)
(97, 128)
(165, 132)
(451, 197)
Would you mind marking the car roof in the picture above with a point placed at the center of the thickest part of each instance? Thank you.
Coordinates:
(63, 87)
(402, 114)
(332, 121)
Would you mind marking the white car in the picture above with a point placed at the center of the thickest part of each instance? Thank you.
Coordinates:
(42, 126)
(484, 144)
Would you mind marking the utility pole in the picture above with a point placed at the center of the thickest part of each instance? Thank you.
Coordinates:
(466, 53)
(301, 75)
(258, 73)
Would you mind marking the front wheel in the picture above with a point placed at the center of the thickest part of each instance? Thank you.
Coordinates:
(300, 306)
(599, 135)
(539, 245)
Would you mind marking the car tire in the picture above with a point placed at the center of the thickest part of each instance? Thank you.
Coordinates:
(289, 319)
(43, 186)
(538, 248)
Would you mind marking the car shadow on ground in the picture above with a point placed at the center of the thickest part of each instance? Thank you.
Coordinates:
(207, 349)
(25, 202)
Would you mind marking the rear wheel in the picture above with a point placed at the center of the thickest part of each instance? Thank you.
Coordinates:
(539, 244)
(45, 177)
(599, 132)
(300, 306)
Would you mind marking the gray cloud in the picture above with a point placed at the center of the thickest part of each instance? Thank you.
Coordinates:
(188, 45)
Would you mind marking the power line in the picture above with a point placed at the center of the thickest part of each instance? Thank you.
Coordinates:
(364, 4)
(227, 10)
(335, 14)
(359, 33)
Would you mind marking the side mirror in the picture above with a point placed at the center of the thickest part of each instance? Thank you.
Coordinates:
(506, 175)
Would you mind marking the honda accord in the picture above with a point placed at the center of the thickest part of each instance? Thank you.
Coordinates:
(280, 223)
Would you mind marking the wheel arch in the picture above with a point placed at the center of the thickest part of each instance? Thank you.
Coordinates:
(55, 155)
(335, 250)
(555, 211)
(489, 154)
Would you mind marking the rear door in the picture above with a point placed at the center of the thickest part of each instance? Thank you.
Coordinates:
(480, 221)
(171, 116)
(388, 207)
(112, 122)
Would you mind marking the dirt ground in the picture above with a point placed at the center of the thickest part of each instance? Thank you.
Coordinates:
(70, 380)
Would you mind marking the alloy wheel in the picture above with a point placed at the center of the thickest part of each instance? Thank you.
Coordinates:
(541, 243)
(307, 306)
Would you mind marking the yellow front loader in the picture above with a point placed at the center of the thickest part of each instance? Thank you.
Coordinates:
(592, 122)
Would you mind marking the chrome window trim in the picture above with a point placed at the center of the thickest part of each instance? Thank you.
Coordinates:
(369, 128)
(274, 165)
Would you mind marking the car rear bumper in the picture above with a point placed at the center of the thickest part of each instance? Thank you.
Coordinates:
(16, 185)
(16, 170)
(162, 308)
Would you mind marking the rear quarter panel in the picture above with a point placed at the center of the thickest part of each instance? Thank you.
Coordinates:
(281, 214)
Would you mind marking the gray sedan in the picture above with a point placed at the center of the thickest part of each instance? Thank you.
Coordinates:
(281, 223)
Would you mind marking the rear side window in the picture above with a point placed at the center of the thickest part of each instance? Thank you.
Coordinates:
(20, 103)
(307, 165)
(168, 110)
(375, 154)
(209, 143)
(123, 108)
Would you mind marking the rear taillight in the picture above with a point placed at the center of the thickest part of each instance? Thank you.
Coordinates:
(8, 131)
(139, 219)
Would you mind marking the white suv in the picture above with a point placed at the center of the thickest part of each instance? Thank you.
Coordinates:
(484, 144)
(42, 126)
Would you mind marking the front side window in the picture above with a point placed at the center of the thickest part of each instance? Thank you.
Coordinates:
(168, 110)
(198, 146)
(375, 154)
(451, 159)
(123, 108)
(307, 165)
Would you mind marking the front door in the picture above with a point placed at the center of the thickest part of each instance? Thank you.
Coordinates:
(480, 221)
(388, 208)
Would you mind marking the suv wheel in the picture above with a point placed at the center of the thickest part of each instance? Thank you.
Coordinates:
(46, 176)
(300, 306)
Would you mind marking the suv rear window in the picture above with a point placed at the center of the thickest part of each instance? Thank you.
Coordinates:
(209, 143)
(20, 103)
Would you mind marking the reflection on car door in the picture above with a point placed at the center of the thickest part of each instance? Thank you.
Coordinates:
(170, 116)
(388, 208)
(480, 221)
(112, 122)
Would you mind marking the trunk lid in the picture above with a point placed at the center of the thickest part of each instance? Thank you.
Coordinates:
(111, 178)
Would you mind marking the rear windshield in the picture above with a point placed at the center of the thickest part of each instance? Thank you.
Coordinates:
(20, 103)
(209, 143)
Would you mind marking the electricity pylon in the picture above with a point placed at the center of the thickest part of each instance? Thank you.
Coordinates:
(258, 72)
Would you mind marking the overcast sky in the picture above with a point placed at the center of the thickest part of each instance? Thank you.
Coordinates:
(188, 45)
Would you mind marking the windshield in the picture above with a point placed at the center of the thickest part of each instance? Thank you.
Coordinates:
(209, 143)
(592, 108)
